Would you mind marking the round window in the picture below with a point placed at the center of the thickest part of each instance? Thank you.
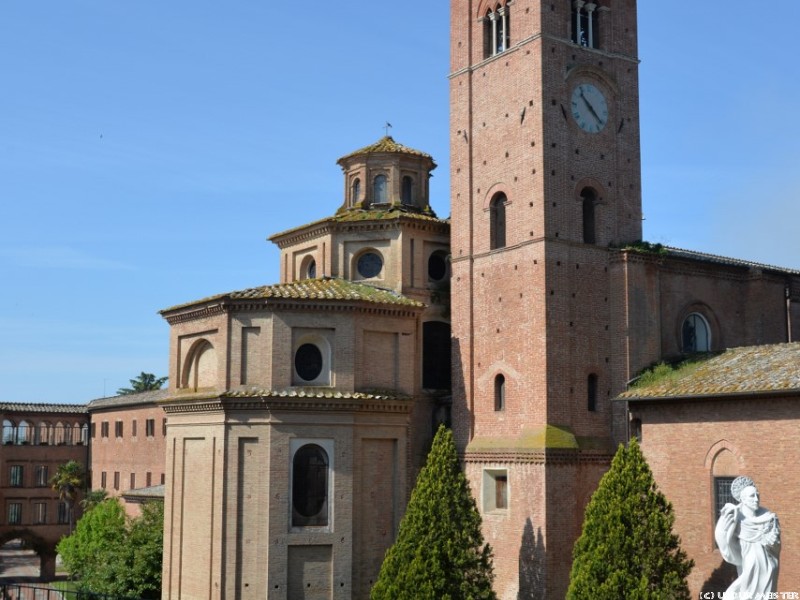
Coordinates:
(437, 267)
(308, 362)
(369, 264)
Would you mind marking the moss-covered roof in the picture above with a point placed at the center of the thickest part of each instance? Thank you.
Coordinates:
(353, 215)
(723, 260)
(386, 145)
(321, 289)
(750, 369)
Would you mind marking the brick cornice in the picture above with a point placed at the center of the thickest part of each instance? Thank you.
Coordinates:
(267, 403)
(539, 457)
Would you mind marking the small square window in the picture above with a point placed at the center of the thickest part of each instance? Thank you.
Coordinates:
(495, 490)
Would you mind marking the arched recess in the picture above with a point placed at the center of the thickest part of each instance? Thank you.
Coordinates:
(590, 195)
(724, 464)
(9, 431)
(200, 369)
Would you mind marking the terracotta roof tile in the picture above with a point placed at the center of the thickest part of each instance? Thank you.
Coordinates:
(385, 144)
(357, 215)
(129, 399)
(24, 407)
(723, 260)
(322, 289)
(756, 369)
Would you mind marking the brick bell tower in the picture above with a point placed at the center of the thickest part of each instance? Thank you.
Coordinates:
(545, 181)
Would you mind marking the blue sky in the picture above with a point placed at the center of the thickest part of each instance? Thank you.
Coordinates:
(147, 149)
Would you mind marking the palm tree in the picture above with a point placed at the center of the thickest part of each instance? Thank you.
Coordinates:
(68, 481)
(144, 382)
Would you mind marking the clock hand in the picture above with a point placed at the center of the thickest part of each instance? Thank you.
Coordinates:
(590, 107)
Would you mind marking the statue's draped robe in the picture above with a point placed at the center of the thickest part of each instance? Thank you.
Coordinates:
(755, 558)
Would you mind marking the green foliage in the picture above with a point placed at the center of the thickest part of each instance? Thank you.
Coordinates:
(627, 548)
(68, 481)
(111, 554)
(93, 498)
(643, 247)
(144, 382)
(665, 372)
(439, 553)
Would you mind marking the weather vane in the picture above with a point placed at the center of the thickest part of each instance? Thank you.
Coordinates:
(387, 127)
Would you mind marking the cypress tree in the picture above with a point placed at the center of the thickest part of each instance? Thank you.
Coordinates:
(439, 553)
(627, 548)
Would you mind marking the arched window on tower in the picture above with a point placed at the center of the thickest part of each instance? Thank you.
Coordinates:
(589, 200)
(355, 191)
(496, 30)
(500, 393)
(585, 31)
(407, 193)
(379, 194)
(695, 334)
(497, 221)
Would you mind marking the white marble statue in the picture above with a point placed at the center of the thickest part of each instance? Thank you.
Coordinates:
(749, 537)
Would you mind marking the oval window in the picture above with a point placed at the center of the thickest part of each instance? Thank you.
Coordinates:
(308, 362)
(437, 267)
(369, 265)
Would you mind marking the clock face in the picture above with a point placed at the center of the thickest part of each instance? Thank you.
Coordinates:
(589, 108)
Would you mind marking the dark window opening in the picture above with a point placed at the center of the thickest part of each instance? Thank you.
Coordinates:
(407, 195)
(436, 355)
(308, 362)
(636, 429)
(589, 197)
(437, 266)
(63, 514)
(310, 487)
(118, 429)
(104, 429)
(311, 270)
(501, 491)
(355, 191)
(150, 427)
(500, 393)
(497, 222)
(41, 476)
(14, 513)
(591, 392)
(379, 192)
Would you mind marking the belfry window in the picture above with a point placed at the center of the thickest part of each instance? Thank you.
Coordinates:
(407, 190)
(695, 334)
(496, 31)
(310, 486)
(584, 23)
(379, 189)
(355, 191)
(497, 222)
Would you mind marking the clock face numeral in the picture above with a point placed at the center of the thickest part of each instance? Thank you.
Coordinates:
(589, 108)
